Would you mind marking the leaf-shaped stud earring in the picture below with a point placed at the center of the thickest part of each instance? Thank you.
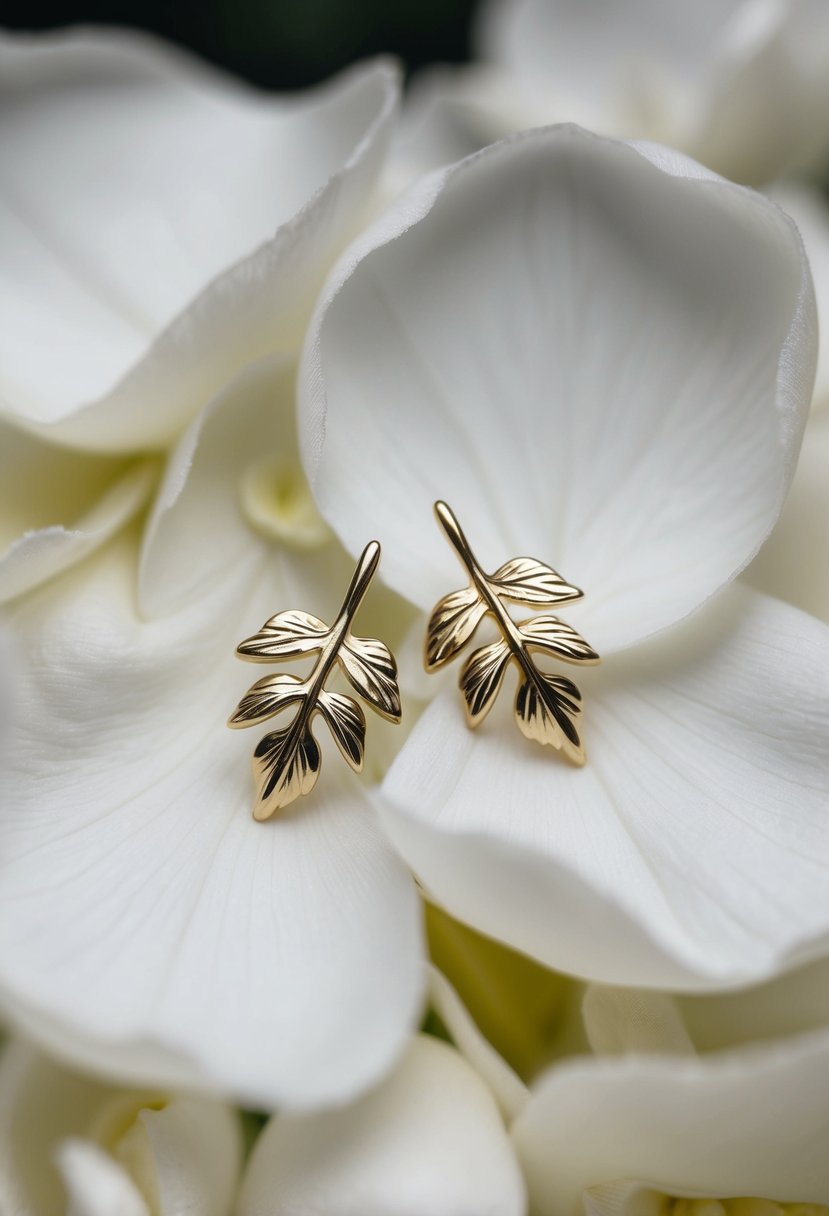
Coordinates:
(547, 706)
(287, 762)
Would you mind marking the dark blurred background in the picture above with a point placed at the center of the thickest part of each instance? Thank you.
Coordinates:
(279, 44)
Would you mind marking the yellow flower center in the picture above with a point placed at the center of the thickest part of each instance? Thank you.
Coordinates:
(276, 500)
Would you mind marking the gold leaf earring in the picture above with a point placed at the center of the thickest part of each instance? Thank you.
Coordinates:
(286, 763)
(547, 707)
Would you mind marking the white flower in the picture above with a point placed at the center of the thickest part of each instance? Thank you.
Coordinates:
(71, 1143)
(602, 357)
(665, 1106)
(150, 926)
(657, 1128)
(741, 85)
(162, 228)
(429, 1139)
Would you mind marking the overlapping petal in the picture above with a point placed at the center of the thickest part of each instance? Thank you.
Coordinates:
(595, 361)
(428, 1139)
(215, 214)
(72, 1143)
(661, 863)
(747, 1123)
(794, 562)
(57, 506)
(152, 926)
(739, 84)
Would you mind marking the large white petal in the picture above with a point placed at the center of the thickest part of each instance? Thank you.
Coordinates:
(123, 158)
(750, 1123)
(428, 1139)
(596, 361)
(144, 908)
(690, 851)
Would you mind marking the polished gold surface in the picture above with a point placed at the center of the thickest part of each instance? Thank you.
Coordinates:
(287, 762)
(547, 707)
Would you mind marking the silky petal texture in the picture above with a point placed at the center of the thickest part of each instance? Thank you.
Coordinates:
(747, 1123)
(658, 864)
(794, 562)
(619, 1021)
(145, 907)
(790, 1004)
(113, 145)
(596, 361)
(740, 84)
(56, 506)
(192, 1152)
(40, 1104)
(197, 535)
(428, 1139)
(96, 1185)
(506, 1086)
(810, 212)
(183, 1157)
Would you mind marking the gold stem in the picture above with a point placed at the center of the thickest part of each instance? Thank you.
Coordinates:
(354, 596)
(509, 630)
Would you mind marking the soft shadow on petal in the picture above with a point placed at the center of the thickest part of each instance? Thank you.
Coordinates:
(810, 211)
(197, 533)
(794, 562)
(428, 1139)
(57, 506)
(143, 906)
(507, 1088)
(743, 1123)
(766, 110)
(40, 1104)
(690, 851)
(600, 362)
(126, 158)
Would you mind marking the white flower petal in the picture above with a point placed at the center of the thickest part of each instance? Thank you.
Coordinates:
(794, 562)
(57, 506)
(622, 1020)
(40, 1103)
(125, 159)
(144, 906)
(594, 362)
(810, 212)
(194, 1150)
(97, 1185)
(623, 74)
(197, 534)
(660, 862)
(766, 111)
(506, 1086)
(428, 1139)
(790, 1004)
(750, 1123)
